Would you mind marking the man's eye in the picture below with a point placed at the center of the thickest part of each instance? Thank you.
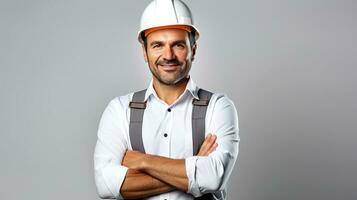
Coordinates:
(156, 46)
(180, 45)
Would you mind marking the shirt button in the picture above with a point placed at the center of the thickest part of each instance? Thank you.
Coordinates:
(169, 110)
(165, 134)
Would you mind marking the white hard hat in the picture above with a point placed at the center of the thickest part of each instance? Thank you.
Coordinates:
(166, 13)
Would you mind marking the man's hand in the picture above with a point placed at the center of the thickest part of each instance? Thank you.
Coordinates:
(208, 146)
(133, 160)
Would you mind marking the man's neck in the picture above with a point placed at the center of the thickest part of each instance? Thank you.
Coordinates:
(169, 93)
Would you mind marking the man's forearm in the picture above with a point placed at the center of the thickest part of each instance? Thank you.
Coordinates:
(164, 170)
(171, 171)
(139, 185)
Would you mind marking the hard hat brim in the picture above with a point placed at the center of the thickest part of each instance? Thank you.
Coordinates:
(181, 27)
(186, 27)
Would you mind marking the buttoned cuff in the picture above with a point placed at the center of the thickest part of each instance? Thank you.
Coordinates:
(190, 164)
(114, 176)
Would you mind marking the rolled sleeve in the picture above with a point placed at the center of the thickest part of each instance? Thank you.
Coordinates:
(109, 151)
(190, 164)
(109, 174)
(208, 174)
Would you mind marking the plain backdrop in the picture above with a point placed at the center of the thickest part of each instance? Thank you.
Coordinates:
(289, 66)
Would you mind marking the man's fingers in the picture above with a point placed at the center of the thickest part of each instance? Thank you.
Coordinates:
(213, 138)
(206, 142)
(213, 148)
(210, 141)
(208, 145)
(208, 150)
(211, 144)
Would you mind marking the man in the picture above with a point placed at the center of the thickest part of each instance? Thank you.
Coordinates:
(147, 144)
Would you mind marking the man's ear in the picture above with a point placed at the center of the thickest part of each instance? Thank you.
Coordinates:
(144, 53)
(194, 48)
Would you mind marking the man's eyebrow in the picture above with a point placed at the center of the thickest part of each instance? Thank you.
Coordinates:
(179, 42)
(172, 44)
(155, 42)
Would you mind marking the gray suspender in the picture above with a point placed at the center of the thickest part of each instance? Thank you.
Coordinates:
(198, 119)
(137, 108)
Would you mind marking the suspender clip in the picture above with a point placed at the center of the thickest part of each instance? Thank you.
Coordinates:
(198, 102)
(137, 105)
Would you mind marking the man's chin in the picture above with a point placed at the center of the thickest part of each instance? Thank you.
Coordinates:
(168, 82)
(174, 81)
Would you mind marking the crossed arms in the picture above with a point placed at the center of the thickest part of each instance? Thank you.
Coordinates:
(150, 175)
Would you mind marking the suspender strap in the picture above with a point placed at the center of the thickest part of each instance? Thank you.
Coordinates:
(198, 126)
(137, 108)
(198, 118)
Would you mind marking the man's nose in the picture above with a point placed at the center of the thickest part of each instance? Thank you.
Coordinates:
(168, 53)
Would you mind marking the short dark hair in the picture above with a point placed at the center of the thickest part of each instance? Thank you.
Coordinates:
(191, 38)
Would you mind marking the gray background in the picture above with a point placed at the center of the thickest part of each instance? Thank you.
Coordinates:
(289, 66)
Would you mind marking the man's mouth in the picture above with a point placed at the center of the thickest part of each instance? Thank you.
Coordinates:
(169, 67)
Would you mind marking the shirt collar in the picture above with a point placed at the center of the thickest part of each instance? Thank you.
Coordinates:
(190, 87)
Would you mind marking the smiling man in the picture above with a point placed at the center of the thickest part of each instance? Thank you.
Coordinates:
(172, 140)
(169, 55)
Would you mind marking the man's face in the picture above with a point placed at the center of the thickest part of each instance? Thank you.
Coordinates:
(169, 55)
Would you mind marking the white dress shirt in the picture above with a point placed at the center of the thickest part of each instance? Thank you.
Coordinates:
(168, 133)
